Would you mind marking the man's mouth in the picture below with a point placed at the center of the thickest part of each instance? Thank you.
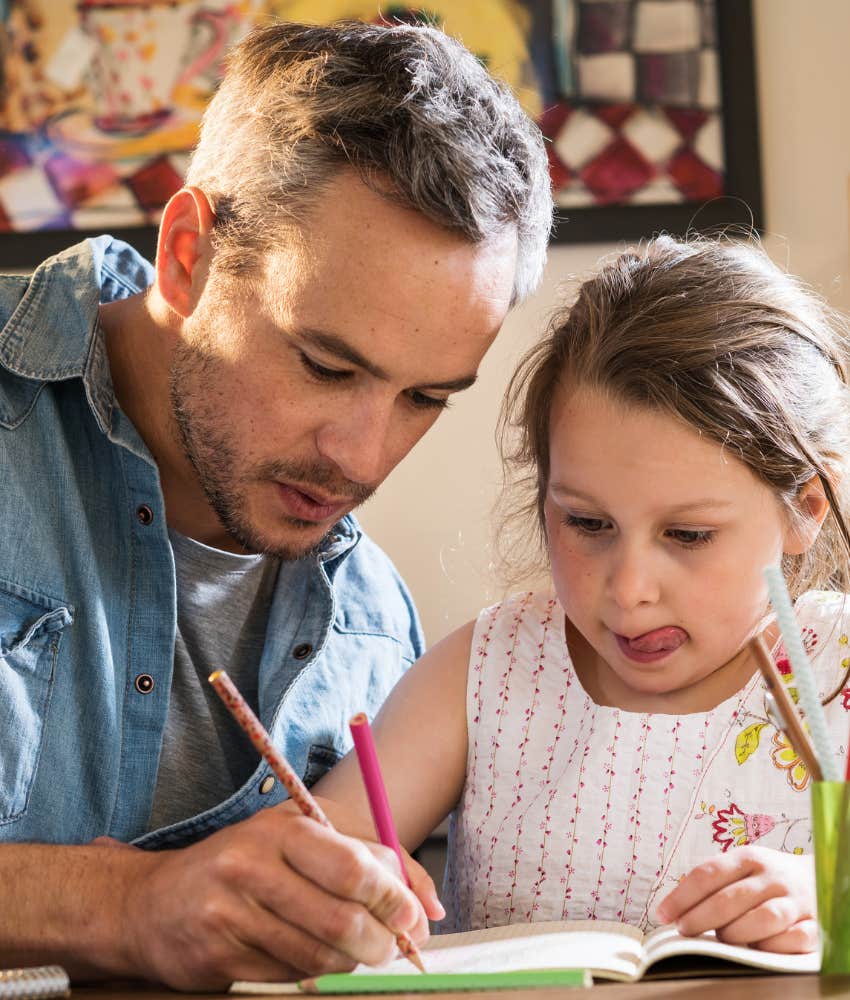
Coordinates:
(304, 504)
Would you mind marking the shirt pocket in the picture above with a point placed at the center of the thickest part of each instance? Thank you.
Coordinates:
(320, 760)
(31, 627)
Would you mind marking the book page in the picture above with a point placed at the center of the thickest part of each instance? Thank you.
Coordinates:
(608, 949)
(665, 942)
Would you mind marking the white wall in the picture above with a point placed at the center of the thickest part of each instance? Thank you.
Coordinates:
(433, 514)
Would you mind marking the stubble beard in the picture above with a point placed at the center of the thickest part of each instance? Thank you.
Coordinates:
(194, 388)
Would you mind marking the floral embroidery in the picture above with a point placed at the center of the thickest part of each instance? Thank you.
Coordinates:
(785, 757)
(810, 640)
(734, 827)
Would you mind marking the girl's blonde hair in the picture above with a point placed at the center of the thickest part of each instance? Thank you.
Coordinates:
(711, 332)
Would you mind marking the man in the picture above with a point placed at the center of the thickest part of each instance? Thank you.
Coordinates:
(182, 449)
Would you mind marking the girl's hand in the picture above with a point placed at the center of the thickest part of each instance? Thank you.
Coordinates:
(422, 886)
(752, 896)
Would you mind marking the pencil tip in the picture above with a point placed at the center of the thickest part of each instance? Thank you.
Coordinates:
(415, 957)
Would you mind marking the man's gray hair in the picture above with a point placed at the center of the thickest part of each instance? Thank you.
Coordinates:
(412, 111)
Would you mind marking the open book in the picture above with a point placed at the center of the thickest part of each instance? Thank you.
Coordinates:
(608, 950)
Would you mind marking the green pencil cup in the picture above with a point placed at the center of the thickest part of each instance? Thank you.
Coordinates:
(831, 832)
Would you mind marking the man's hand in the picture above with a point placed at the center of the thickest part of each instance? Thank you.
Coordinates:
(278, 896)
(753, 896)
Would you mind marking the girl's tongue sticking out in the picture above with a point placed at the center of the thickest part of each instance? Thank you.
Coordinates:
(653, 645)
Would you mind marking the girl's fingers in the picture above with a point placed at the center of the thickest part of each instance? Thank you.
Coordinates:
(423, 887)
(700, 888)
(726, 906)
(765, 921)
(797, 939)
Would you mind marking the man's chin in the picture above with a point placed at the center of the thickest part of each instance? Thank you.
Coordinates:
(297, 540)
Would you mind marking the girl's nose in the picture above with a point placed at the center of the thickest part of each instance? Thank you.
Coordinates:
(632, 579)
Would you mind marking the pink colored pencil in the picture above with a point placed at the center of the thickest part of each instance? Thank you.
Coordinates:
(376, 791)
(241, 711)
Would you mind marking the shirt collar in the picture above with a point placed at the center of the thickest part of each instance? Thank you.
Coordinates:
(53, 334)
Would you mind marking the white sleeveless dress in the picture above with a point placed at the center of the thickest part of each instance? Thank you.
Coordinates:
(576, 811)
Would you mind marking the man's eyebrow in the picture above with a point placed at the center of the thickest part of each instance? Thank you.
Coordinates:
(332, 344)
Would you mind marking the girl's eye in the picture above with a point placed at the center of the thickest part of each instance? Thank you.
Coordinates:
(585, 525)
(423, 402)
(691, 538)
(320, 372)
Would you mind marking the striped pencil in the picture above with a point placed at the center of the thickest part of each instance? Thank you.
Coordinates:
(298, 792)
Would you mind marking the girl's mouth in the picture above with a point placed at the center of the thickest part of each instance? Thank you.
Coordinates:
(652, 646)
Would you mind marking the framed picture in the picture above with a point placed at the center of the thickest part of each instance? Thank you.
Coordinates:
(648, 106)
(650, 111)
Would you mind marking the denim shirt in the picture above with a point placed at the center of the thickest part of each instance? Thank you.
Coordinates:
(87, 590)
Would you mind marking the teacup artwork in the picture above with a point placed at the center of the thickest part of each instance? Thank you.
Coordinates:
(140, 57)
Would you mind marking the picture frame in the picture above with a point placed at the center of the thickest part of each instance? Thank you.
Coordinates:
(738, 207)
(68, 148)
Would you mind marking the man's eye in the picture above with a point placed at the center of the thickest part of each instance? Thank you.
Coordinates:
(320, 372)
(423, 402)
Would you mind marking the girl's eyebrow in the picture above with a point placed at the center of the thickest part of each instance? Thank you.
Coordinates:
(702, 503)
(709, 503)
(563, 489)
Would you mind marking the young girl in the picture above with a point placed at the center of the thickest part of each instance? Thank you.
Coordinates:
(606, 748)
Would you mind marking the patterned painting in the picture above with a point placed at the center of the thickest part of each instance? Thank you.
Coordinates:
(101, 102)
(633, 95)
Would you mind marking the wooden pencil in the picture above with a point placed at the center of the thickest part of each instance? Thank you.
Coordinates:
(790, 720)
(298, 792)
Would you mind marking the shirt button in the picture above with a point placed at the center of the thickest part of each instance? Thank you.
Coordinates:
(144, 683)
(302, 651)
(144, 514)
(266, 785)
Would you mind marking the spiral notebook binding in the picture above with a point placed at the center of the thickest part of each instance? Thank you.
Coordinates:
(44, 981)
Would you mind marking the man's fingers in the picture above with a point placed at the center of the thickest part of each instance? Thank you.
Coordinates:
(235, 939)
(352, 933)
(347, 869)
(271, 941)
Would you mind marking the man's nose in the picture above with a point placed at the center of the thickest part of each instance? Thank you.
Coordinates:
(633, 578)
(357, 442)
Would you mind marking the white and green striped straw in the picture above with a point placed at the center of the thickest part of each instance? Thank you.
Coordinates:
(804, 676)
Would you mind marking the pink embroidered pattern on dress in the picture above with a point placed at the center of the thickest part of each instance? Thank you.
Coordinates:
(634, 820)
(494, 775)
(546, 782)
(605, 824)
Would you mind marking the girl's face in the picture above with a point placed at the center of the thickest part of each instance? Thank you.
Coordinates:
(657, 540)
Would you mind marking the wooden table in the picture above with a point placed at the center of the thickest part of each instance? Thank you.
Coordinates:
(723, 988)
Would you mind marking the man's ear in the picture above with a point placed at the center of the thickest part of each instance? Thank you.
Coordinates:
(813, 506)
(184, 249)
